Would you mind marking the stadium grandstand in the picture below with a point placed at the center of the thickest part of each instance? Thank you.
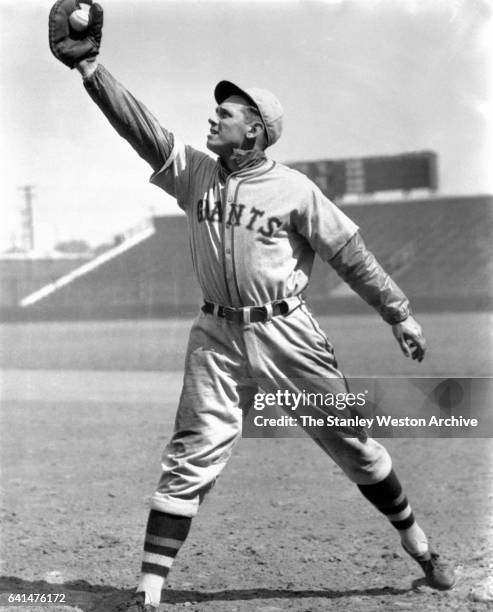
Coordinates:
(437, 248)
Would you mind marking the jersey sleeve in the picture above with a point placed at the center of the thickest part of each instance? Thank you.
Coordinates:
(130, 118)
(184, 168)
(323, 224)
(174, 163)
(358, 267)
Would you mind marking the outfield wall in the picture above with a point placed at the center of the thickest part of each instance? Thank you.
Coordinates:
(439, 250)
(20, 275)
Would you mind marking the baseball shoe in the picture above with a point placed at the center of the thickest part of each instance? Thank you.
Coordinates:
(137, 604)
(439, 574)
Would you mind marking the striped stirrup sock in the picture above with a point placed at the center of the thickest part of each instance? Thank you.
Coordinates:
(165, 533)
(387, 496)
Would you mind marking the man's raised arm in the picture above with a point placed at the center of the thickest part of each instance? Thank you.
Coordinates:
(127, 115)
(130, 118)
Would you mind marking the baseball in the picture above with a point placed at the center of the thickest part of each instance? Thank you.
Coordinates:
(79, 19)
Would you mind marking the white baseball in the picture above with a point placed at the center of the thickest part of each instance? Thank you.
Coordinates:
(79, 19)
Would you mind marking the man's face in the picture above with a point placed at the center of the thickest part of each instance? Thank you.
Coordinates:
(229, 127)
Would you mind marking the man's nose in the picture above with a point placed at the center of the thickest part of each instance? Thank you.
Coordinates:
(212, 121)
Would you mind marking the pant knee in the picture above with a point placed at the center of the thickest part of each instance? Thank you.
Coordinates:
(190, 466)
(370, 465)
(364, 462)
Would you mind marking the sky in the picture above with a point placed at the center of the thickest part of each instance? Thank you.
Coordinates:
(355, 77)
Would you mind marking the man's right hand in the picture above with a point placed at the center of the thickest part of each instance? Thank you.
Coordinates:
(69, 46)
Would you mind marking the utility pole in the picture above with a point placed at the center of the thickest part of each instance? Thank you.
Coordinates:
(27, 224)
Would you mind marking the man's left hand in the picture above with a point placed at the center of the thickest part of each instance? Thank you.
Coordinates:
(409, 335)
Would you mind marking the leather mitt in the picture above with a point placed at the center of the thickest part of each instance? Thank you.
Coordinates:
(68, 45)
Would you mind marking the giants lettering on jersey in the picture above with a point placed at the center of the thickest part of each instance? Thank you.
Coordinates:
(213, 212)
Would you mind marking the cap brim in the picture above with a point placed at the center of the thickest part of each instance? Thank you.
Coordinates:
(225, 89)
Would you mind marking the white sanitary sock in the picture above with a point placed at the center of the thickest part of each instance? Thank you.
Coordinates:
(414, 540)
(152, 586)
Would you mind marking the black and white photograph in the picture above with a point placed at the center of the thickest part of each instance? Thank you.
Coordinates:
(246, 306)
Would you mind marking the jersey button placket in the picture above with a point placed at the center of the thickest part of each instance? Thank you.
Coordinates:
(228, 254)
(233, 249)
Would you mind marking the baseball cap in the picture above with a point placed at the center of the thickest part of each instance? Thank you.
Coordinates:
(267, 104)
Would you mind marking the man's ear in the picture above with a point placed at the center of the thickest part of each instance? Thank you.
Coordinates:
(254, 129)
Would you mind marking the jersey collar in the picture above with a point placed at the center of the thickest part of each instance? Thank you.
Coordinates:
(245, 160)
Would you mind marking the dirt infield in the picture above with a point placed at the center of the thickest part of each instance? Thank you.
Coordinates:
(283, 530)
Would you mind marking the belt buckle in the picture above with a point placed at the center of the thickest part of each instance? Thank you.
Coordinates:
(264, 311)
(258, 314)
(228, 313)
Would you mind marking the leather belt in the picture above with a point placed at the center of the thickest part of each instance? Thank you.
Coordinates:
(251, 314)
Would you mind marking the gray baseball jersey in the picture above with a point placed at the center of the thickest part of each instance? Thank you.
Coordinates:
(253, 236)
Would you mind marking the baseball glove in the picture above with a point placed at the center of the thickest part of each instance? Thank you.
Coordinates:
(67, 45)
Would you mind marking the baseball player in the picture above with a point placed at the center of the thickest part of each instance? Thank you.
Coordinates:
(254, 228)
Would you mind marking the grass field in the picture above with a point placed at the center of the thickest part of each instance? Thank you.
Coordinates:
(459, 344)
(86, 409)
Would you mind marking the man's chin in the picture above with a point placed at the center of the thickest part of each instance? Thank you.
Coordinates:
(215, 147)
(210, 146)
